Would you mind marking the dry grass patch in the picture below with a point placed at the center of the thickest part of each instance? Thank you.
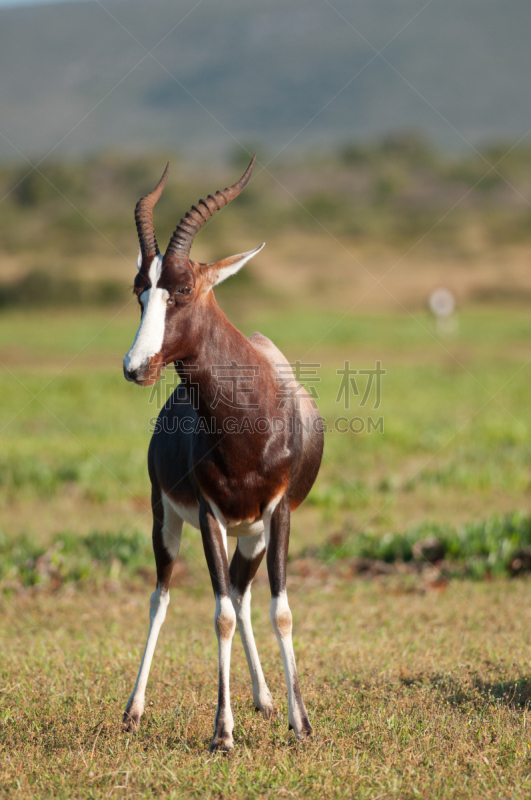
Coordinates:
(411, 695)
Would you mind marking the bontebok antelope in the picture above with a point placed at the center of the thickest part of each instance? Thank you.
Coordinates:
(234, 452)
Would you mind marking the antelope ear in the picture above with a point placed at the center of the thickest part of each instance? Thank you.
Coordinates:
(139, 259)
(219, 270)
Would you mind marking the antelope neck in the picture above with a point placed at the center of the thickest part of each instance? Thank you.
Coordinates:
(219, 344)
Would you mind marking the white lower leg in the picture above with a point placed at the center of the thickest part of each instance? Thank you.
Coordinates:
(157, 613)
(282, 624)
(225, 622)
(261, 694)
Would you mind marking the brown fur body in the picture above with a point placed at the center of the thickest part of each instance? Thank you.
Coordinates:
(245, 471)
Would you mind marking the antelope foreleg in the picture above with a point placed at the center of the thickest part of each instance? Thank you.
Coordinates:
(214, 536)
(167, 528)
(157, 614)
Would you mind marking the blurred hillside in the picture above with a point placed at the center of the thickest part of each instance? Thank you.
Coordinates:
(334, 226)
(200, 76)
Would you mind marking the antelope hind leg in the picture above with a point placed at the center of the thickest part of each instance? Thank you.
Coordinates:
(243, 568)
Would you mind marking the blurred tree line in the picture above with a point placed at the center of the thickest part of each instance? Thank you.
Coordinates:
(399, 192)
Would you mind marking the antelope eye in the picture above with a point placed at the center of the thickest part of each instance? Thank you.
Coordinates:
(184, 290)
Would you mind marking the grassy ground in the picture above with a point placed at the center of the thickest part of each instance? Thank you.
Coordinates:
(411, 695)
(413, 691)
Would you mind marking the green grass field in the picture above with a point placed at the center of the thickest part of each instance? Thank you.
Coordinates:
(416, 687)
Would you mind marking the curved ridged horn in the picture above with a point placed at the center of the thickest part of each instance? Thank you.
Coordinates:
(144, 219)
(186, 230)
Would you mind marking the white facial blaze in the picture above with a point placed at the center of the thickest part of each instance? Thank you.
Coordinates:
(150, 335)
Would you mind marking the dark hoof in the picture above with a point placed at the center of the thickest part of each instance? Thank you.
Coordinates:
(268, 712)
(305, 733)
(221, 744)
(130, 722)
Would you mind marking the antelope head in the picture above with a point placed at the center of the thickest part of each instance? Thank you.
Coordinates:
(173, 289)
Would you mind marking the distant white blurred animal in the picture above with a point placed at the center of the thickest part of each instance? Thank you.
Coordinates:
(442, 305)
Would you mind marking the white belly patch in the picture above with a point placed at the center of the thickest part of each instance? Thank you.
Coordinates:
(190, 515)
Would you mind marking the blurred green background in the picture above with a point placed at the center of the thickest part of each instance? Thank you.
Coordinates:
(388, 166)
(452, 444)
